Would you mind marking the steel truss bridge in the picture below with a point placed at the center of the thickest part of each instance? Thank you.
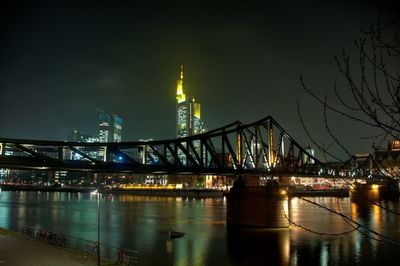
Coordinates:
(262, 148)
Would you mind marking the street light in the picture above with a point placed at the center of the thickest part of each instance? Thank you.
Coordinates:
(98, 226)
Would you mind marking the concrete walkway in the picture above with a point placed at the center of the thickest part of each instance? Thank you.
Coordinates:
(17, 250)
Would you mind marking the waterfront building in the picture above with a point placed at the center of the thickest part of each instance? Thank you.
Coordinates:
(394, 145)
(4, 172)
(388, 160)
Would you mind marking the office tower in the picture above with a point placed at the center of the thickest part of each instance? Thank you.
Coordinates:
(188, 112)
(116, 128)
(110, 128)
(104, 127)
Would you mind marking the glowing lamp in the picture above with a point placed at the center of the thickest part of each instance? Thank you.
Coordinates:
(375, 187)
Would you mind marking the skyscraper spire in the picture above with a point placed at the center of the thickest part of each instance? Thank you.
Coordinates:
(182, 72)
(180, 95)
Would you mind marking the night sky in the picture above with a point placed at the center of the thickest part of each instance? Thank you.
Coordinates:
(60, 63)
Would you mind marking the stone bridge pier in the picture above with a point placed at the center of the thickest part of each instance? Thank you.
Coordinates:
(250, 204)
(374, 190)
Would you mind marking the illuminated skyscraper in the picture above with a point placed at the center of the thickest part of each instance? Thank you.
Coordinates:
(104, 127)
(117, 128)
(188, 115)
(110, 128)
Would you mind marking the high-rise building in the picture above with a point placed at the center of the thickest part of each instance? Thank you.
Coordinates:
(104, 127)
(188, 112)
(117, 128)
(110, 128)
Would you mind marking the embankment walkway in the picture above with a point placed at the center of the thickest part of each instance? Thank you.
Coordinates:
(18, 250)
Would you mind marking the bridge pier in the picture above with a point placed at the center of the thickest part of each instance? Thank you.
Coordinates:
(250, 204)
(388, 190)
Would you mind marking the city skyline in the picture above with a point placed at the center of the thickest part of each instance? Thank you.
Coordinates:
(109, 130)
(199, 132)
(243, 62)
(188, 120)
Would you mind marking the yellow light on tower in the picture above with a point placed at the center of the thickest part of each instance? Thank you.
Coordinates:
(180, 96)
(197, 110)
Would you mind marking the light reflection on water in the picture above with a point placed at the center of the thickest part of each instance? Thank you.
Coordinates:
(141, 223)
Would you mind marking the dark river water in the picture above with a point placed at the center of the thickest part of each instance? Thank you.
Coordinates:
(141, 223)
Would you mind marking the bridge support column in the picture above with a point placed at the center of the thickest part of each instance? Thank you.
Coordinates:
(261, 206)
(388, 190)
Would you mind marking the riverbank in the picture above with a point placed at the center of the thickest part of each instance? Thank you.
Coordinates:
(191, 193)
(12, 187)
(19, 250)
(201, 193)
(319, 193)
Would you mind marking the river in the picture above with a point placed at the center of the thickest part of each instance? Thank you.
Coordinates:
(141, 223)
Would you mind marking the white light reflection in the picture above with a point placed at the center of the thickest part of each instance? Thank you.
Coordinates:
(324, 255)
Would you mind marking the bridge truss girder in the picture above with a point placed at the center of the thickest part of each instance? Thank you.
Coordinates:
(261, 148)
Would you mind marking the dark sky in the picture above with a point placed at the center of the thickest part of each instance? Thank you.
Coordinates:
(62, 62)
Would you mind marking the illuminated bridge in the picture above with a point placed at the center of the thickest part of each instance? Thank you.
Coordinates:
(261, 148)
